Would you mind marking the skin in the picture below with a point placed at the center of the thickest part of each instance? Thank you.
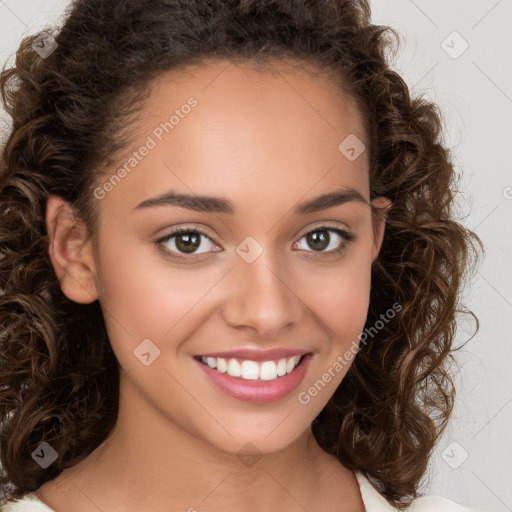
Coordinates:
(265, 140)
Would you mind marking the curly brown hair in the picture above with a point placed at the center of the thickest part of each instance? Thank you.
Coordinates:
(59, 378)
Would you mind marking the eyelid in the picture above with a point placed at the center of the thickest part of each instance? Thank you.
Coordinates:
(345, 232)
(194, 228)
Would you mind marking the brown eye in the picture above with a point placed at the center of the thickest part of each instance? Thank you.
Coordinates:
(188, 242)
(318, 240)
(326, 240)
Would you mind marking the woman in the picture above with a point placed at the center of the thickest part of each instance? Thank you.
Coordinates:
(230, 272)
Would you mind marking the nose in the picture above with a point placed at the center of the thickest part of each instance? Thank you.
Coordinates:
(261, 297)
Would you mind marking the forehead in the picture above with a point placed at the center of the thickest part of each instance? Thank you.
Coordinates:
(259, 84)
(232, 128)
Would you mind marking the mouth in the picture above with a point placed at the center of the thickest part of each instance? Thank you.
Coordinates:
(253, 370)
(265, 380)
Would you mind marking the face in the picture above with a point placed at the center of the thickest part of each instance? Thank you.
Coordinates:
(269, 274)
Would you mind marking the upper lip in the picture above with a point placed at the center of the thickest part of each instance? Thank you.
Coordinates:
(258, 354)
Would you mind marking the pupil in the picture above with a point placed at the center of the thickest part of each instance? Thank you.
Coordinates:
(318, 240)
(188, 242)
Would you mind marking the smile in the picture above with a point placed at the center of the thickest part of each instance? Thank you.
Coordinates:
(263, 381)
(252, 370)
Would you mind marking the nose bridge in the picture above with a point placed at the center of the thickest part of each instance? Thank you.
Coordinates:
(261, 295)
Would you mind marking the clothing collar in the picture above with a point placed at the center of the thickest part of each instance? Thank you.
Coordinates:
(373, 501)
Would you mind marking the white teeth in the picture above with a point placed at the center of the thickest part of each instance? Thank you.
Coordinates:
(234, 368)
(281, 367)
(268, 370)
(222, 365)
(251, 370)
(292, 363)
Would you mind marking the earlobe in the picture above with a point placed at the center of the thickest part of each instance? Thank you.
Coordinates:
(380, 207)
(70, 250)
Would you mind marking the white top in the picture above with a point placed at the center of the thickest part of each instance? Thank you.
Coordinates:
(373, 502)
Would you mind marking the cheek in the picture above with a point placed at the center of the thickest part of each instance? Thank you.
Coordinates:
(340, 298)
(345, 303)
(143, 296)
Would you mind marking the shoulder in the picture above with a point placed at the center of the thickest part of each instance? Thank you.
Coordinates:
(375, 502)
(29, 503)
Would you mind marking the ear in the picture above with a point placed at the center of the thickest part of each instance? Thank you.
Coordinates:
(380, 207)
(70, 250)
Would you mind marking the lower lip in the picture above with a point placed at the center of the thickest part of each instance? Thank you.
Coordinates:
(258, 390)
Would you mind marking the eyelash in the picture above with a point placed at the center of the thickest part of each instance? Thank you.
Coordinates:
(345, 235)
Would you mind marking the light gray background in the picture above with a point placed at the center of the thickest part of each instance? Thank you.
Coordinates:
(474, 91)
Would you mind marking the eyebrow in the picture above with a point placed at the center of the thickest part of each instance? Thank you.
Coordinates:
(211, 204)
